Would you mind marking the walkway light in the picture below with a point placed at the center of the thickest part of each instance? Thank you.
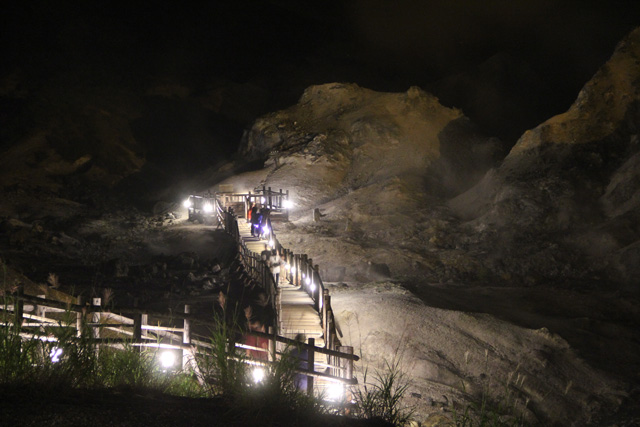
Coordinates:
(335, 392)
(55, 354)
(271, 244)
(262, 200)
(287, 204)
(307, 280)
(208, 207)
(293, 269)
(187, 203)
(287, 266)
(167, 359)
(266, 229)
(312, 287)
(258, 375)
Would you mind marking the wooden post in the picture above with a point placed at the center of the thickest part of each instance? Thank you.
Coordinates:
(317, 292)
(310, 364)
(137, 325)
(270, 200)
(348, 373)
(144, 320)
(79, 317)
(96, 318)
(186, 337)
(330, 343)
(272, 344)
(326, 300)
(310, 276)
(287, 210)
(18, 308)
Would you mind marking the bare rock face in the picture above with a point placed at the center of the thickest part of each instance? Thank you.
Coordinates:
(373, 164)
(349, 138)
(518, 259)
(573, 178)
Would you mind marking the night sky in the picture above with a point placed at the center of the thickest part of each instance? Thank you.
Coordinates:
(284, 46)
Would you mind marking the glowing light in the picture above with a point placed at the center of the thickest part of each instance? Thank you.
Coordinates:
(293, 269)
(208, 207)
(287, 204)
(312, 287)
(335, 392)
(271, 243)
(55, 354)
(258, 375)
(167, 359)
(262, 200)
(304, 275)
(187, 203)
(287, 266)
(266, 229)
(307, 280)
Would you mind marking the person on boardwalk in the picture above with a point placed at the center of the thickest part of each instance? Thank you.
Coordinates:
(265, 254)
(259, 343)
(250, 212)
(255, 221)
(300, 355)
(274, 264)
(265, 222)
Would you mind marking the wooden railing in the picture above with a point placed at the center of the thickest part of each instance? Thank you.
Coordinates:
(33, 317)
(300, 271)
(276, 201)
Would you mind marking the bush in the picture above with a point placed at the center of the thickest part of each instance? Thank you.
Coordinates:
(383, 397)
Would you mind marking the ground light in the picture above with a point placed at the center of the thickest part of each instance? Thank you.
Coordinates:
(335, 392)
(258, 375)
(187, 203)
(167, 359)
(287, 204)
(55, 354)
(208, 207)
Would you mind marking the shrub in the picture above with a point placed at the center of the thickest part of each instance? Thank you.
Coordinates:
(383, 397)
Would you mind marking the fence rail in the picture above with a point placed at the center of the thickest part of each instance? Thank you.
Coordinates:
(95, 325)
(299, 271)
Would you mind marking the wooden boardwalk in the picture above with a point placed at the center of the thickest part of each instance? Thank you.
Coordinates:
(296, 312)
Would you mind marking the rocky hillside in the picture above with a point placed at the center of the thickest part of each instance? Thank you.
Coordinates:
(377, 165)
(396, 170)
(537, 245)
(567, 193)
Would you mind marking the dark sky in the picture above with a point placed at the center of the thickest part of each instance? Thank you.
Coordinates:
(286, 45)
(415, 39)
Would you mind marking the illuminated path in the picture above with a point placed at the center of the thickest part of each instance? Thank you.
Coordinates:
(296, 312)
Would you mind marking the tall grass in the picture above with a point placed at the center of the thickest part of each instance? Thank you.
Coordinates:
(507, 410)
(223, 369)
(383, 396)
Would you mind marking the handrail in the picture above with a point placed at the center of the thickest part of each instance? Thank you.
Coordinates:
(165, 337)
(299, 270)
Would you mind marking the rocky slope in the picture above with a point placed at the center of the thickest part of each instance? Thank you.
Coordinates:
(540, 246)
(376, 165)
(571, 179)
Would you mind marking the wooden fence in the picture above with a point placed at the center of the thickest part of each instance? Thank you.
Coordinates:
(300, 271)
(34, 317)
